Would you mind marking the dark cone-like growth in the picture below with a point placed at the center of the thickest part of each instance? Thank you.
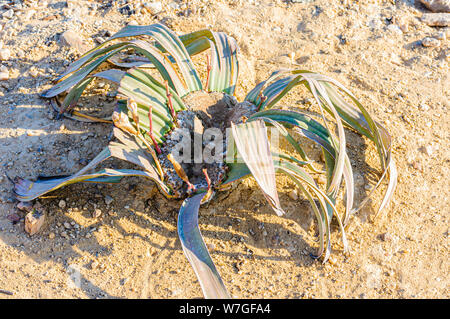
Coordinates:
(201, 132)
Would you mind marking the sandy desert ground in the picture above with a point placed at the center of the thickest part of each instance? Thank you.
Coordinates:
(376, 48)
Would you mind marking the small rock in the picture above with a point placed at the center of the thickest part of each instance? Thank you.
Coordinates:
(67, 225)
(5, 54)
(417, 165)
(20, 54)
(97, 213)
(424, 107)
(94, 265)
(25, 206)
(437, 5)
(33, 72)
(108, 200)
(322, 180)
(395, 59)
(211, 247)
(173, 5)
(395, 29)
(99, 40)
(88, 235)
(332, 261)
(154, 7)
(429, 150)
(441, 36)
(293, 194)
(431, 42)
(64, 235)
(72, 39)
(51, 235)
(8, 14)
(34, 221)
(385, 237)
(14, 218)
(62, 203)
(436, 19)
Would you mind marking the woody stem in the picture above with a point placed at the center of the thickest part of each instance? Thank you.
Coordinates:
(150, 130)
(208, 71)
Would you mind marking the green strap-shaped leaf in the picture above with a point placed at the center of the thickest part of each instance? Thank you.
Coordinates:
(196, 252)
(224, 62)
(148, 92)
(253, 146)
(327, 203)
(131, 151)
(72, 97)
(324, 90)
(166, 39)
(317, 133)
(160, 61)
(27, 190)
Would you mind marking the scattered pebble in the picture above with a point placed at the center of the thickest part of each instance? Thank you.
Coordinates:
(429, 150)
(436, 19)
(293, 194)
(33, 72)
(8, 14)
(108, 200)
(5, 54)
(20, 54)
(154, 7)
(395, 29)
(14, 218)
(94, 265)
(97, 213)
(25, 206)
(385, 237)
(51, 235)
(67, 225)
(429, 42)
(322, 180)
(437, 5)
(72, 39)
(441, 36)
(417, 165)
(34, 221)
(62, 203)
(424, 107)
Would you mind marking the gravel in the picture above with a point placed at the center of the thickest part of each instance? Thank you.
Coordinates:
(5, 54)
(62, 203)
(429, 42)
(436, 19)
